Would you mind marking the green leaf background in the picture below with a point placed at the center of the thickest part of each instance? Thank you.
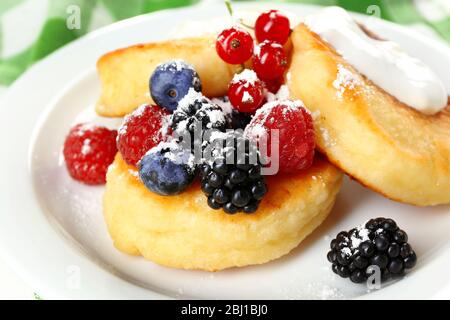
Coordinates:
(55, 34)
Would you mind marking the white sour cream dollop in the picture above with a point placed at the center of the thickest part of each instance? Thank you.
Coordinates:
(384, 62)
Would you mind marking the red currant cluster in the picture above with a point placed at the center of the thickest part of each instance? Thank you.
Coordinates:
(269, 59)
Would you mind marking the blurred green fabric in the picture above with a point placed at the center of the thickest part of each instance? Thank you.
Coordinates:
(54, 31)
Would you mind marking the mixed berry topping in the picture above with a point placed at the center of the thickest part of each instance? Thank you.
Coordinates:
(269, 61)
(295, 129)
(380, 242)
(153, 137)
(273, 26)
(171, 81)
(234, 45)
(246, 92)
(167, 169)
(232, 180)
(196, 112)
(88, 152)
(234, 118)
(142, 130)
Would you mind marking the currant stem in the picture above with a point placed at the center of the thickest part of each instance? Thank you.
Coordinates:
(241, 68)
(229, 7)
(241, 21)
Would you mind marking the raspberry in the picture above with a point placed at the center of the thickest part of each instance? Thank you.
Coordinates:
(296, 133)
(88, 151)
(142, 130)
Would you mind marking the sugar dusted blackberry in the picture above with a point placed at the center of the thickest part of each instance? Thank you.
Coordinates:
(234, 119)
(231, 178)
(380, 242)
(197, 112)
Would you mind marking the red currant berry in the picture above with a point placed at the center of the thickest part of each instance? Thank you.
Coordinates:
(296, 134)
(246, 92)
(234, 45)
(272, 25)
(273, 85)
(270, 61)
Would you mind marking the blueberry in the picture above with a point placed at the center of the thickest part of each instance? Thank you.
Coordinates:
(171, 81)
(166, 169)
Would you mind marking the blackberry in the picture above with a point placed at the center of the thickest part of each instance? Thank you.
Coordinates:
(238, 120)
(232, 178)
(234, 119)
(380, 242)
(196, 112)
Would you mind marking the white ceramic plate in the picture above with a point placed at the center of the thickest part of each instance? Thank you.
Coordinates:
(52, 231)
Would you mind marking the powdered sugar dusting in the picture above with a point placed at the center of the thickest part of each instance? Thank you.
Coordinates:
(136, 113)
(361, 235)
(345, 79)
(176, 65)
(355, 238)
(190, 97)
(215, 115)
(325, 134)
(256, 130)
(165, 126)
(282, 94)
(247, 98)
(86, 149)
(174, 152)
(224, 103)
(247, 75)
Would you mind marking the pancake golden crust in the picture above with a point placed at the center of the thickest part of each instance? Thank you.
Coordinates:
(124, 73)
(183, 232)
(386, 145)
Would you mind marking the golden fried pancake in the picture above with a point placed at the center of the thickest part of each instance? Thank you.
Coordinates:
(125, 73)
(386, 145)
(183, 232)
